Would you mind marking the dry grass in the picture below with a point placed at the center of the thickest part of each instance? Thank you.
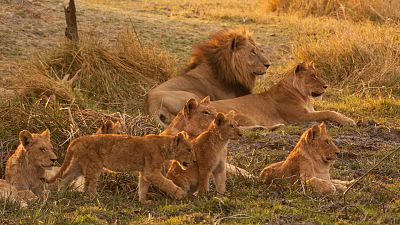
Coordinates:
(356, 10)
(367, 57)
(108, 76)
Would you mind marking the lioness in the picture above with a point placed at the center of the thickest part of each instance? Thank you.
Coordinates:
(25, 169)
(286, 102)
(309, 161)
(210, 151)
(225, 66)
(87, 155)
(195, 118)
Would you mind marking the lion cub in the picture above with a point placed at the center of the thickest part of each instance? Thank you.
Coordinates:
(87, 155)
(25, 169)
(108, 127)
(210, 151)
(309, 161)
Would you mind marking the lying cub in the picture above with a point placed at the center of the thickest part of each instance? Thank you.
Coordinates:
(87, 155)
(210, 150)
(310, 162)
(25, 169)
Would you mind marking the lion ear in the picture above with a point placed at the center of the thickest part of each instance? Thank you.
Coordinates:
(190, 106)
(25, 137)
(46, 134)
(236, 42)
(300, 67)
(311, 64)
(322, 127)
(180, 137)
(231, 114)
(220, 119)
(314, 133)
(206, 100)
(107, 127)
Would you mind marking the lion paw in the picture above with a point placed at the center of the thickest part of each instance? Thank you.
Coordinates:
(348, 122)
(179, 194)
(146, 202)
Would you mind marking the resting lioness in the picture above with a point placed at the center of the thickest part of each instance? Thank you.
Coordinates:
(309, 161)
(210, 150)
(87, 155)
(25, 169)
(286, 102)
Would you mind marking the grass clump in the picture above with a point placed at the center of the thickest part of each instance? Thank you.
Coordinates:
(97, 74)
(367, 57)
(355, 10)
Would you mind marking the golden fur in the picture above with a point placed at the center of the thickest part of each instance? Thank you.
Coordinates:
(194, 118)
(210, 150)
(108, 127)
(223, 67)
(309, 161)
(286, 102)
(25, 169)
(10, 193)
(88, 155)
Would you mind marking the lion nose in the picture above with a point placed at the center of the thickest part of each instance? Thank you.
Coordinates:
(266, 65)
(325, 86)
(54, 160)
(337, 153)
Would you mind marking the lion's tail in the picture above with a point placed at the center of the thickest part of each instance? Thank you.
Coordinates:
(237, 171)
(67, 161)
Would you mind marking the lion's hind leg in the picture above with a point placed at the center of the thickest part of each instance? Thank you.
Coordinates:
(143, 189)
(70, 174)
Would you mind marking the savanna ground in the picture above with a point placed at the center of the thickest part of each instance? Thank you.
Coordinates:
(356, 45)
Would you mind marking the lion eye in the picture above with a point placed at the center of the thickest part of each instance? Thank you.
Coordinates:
(42, 149)
(206, 113)
(327, 141)
(232, 126)
(253, 52)
(189, 149)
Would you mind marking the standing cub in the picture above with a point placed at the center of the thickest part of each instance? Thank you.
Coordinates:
(309, 161)
(88, 155)
(210, 151)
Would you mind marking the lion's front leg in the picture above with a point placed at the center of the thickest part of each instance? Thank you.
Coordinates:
(219, 175)
(321, 186)
(204, 178)
(330, 116)
(157, 179)
(341, 185)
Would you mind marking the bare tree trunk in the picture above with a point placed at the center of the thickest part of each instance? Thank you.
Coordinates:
(71, 32)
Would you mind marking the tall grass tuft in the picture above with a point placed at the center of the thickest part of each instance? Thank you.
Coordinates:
(367, 56)
(107, 76)
(356, 10)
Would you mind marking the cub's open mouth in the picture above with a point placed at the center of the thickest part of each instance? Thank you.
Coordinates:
(329, 159)
(315, 94)
(185, 164)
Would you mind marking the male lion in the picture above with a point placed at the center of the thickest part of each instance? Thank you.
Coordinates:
(210, 151)
(195, 118)
(309, 161)
(286, 102)
(225, 66)
(87, 155)
(25, 169)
